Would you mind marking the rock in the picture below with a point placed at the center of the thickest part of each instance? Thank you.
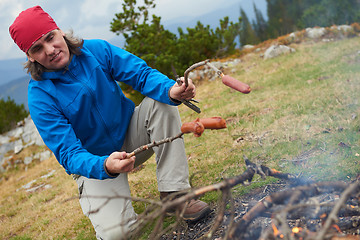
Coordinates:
(31, 133)
(29, 187)
(276, 50)
(18, 146)
(193, 75)
(233, 63)
(28, 160)
(4, 139)
(294, 37)
(248, 46)
(45, 155)
(6, 147)
(315, 33)
(16, 133)
(343, 28)
(50, 174)
(218, 65)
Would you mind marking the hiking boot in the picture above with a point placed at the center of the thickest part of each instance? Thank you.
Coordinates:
(195, 209)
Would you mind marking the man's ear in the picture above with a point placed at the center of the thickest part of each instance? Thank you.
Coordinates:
(62, 33)
(30, 58)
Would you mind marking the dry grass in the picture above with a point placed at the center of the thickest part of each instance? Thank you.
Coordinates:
(46, 213)
(302, 103)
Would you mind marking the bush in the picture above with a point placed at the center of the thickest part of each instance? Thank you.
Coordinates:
(10, 114)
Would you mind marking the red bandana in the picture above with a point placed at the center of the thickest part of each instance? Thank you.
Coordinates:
(29, 26)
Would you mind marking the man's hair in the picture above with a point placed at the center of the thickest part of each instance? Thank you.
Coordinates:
(74, 44)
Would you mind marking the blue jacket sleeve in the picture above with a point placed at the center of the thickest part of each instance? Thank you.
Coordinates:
(132, 70)
(59, 136)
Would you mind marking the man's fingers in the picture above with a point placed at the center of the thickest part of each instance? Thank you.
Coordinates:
(118, 162)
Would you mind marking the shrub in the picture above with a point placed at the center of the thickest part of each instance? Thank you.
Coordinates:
(10, 114)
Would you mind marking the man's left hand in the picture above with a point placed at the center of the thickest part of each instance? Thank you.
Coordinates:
(181, 92)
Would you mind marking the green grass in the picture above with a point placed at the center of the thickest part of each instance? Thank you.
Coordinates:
(302, 117)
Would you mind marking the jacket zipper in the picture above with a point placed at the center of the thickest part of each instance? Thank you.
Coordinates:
(96, 106)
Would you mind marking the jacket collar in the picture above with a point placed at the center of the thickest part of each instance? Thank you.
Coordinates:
(71, 66)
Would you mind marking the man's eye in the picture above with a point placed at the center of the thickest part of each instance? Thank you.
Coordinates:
(35, 49)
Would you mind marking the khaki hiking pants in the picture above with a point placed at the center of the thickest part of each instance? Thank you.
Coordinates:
(151, 121)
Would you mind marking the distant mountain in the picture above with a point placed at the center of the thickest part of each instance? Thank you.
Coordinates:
(16, 90)
(213, 18)
(11, 69)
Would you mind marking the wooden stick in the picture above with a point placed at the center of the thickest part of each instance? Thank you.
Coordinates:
(153, 144)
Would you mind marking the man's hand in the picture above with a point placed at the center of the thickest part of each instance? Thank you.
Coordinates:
(181, 92)
(118, 162)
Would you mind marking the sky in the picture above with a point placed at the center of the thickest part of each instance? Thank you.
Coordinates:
(91, 18)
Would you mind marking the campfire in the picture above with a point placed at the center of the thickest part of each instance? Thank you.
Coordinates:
(301, 210)
(294, 209)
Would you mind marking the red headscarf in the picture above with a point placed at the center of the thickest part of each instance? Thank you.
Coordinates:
(29, 26)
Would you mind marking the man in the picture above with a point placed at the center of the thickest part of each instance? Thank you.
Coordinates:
(85, 119)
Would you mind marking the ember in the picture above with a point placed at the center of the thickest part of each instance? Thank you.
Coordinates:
(276, 231)
(296, 230)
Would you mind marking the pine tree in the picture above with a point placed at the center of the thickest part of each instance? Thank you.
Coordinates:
(260, 26)
(127, 21)
(154, 44)
(247, 33)
(196, 44)
(227, 34)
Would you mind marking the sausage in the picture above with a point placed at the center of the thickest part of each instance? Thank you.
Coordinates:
(213, 122)
(200, 124)
(195, 127)
(235, 84)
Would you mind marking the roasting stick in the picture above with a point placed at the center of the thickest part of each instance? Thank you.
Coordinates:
(226, 79)
(153, 144)
(197, 127)
(187, 103)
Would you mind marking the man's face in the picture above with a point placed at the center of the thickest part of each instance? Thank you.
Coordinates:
(50, 50)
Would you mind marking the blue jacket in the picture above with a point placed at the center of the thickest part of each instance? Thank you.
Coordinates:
(81, 113)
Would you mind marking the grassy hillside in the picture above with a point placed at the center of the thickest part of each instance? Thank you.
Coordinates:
(301, 117)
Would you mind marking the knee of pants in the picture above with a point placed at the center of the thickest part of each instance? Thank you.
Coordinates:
(166, 109)
(115, 233)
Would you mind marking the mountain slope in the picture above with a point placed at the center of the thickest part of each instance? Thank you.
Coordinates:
(11, 69)
(16, 90)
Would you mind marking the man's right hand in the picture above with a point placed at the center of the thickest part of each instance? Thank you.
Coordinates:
(118, 162)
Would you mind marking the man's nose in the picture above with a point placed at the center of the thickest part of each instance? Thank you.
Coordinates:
(49, 49)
